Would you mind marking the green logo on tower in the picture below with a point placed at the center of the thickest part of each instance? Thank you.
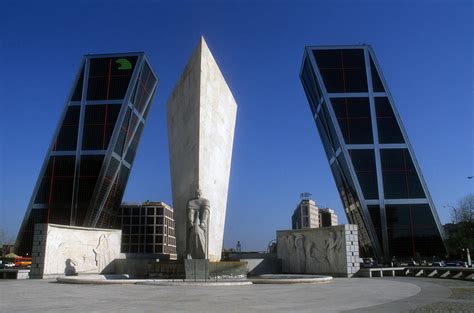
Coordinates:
(124, 64)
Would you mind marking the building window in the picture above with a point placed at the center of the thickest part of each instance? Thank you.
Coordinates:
(77, 95)
(310, 85)
(329, 126)
(388, 128)
(376, 81)
(109, 77)
(88, 174)
(99, 123)
(342, 70)
(353, 116)
(412, 231)
(56, 189)
(324, 135)
(364, 165)
(143, 89)
(374, 211)
(400, 178)
(67, 136)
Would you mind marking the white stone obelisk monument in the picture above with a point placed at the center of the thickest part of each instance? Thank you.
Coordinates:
(201, 115)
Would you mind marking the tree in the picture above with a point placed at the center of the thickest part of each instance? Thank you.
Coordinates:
(466, 209)
(2, 240)
(5, 239)
(461, 231)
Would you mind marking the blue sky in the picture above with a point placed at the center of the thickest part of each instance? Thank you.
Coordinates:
(424, 50)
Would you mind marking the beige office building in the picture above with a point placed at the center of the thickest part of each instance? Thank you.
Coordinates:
(308, 215)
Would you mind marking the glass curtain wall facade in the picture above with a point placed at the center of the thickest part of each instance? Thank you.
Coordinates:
(87, 165)
(374, 167)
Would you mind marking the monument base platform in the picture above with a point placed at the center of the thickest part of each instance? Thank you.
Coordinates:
(189, 269)
(228, 270)
(124, 280)
(196, 269)
(150, 268)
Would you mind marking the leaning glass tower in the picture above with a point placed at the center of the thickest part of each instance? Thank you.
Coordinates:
(88, 162)
(374, 166)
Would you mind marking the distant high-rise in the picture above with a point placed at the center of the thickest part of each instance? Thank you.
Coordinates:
(374, 166)
(87, 165)
(327, 217)
(308, 215)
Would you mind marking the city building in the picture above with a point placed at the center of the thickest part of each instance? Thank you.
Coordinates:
(148, 228)
(308, 215)
(327, 217)
(88, 162)
(374, 166)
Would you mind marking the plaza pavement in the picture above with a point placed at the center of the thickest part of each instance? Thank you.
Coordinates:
(399, 294)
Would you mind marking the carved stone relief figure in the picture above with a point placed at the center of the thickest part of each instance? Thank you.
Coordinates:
(291, 249)
(60, 249)
(75, 250)
(333, 247)
(284, 252)
(198, 211)
(318, 251)
(300, 253)
(102, 257)
(316, 258)
(54, 242)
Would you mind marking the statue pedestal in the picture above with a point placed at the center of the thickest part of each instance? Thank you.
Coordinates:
(196, 269)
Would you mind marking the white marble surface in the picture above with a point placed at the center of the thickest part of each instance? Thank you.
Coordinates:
(88, 250)
(201, 114)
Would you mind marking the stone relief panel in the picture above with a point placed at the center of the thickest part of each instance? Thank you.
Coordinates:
(73, 250)
(318, 250)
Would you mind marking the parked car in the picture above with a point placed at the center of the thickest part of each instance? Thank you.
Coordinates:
(367, 262)
(438, 264)
(413, 263)
(455, 264)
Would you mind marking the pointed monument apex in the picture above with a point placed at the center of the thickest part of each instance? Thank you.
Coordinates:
(201, 114)
(203, 45)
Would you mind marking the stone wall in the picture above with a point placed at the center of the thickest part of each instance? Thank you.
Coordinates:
(327, 250)
(60, 249)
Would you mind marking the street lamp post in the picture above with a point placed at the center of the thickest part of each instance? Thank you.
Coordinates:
(468, 254)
